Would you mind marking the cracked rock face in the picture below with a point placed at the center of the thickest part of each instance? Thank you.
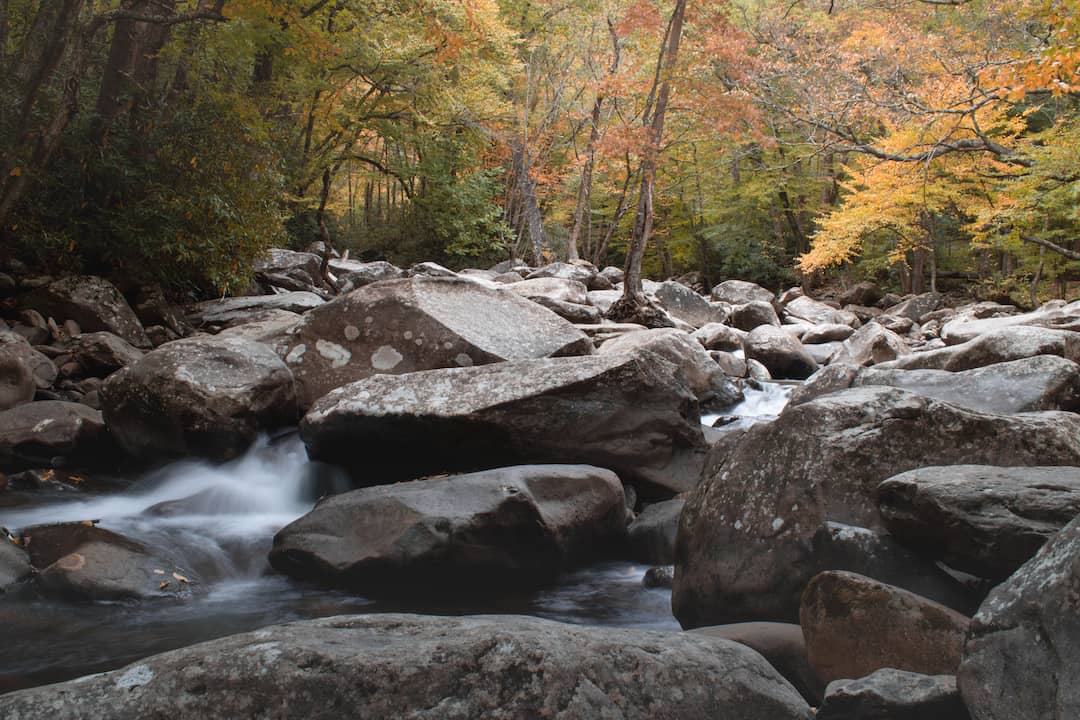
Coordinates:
(420, 323)
(397, 666)
(1022, 656)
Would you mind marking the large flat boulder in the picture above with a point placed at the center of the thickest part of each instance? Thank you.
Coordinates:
(996, 346)
(1043, 382)
(740, 292)
(420, 323)
(745, 544)
(628, 413)
(818, 313)
(987, 521)
(354, 274)
(683, 303)
(495, 529)
(205, 396)
(92, 302)
(964, 328)
(238, 310)
(102, 353)
(53, 433)
(1022, 656)
(431, 668)
(870, 345)
(894, 695)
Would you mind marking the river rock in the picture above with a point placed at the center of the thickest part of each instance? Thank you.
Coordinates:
(17, 385)
(652, 533)
(1044, 382)
(571, 291)
(891, 694)
(826, 333)
(85, 562)
(53, 433)
(744, 547)
(42, 368)
(14, 564)
(782, 644)
(987, 521)
(94, 303)
(101, 353)
(754, 314)
(274, 330)
(740, 292)
(864, 293)
(431, 269)
(421, 323)
(782, 354)
(996, 346)
(239, 310)
(915, 306)
(352, 274)
(631, 414)
(1022, 655)
(564, 271)
(516, 526)
(281, 261)
(571, 312)
(206, 396)
(717, 336)
(871, 344)
(818, 313)
(428, 668)
(854, 625)
(964, 328)
(683, 303)
(706, 379)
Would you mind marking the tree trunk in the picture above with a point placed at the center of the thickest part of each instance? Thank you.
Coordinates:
(633, 296)
(526, 192)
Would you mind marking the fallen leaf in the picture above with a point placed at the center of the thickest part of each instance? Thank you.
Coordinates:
(163, 585)
(180, 577)
(87, 523)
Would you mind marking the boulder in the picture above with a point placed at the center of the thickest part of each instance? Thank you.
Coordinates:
(85, 562)
(491, 530)
(854, 625)
(782, 644)
(1044, 382)
(274, 330)
(987, 521)
(420, 323)
(915, 306)
(823, 353)
(571, 312)
(754, 314)
(101, 353)
(782, 354)
(744, 548)
(996, 346)
(818, 313)
(602, 300)
(428, 668)
(631, 414)
(826, 333)
(864, 293)
(964, 328)
(706, 379)
(14, 564)
(683, 303)
(717, 336)
(42, 368)
(893, 695)
(17, 385)
(652, 533)
(93, 302)
(431, 269)
(740, 292)
(239, 310)
(153, 308)
(871, 344)
(205, 396)
(279, 260)
(1022, 655)
(354, 274)
(569, 291)
(564, 271)
(614, 275)
(53, 433)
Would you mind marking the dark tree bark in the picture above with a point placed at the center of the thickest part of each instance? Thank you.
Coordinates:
(525, 188)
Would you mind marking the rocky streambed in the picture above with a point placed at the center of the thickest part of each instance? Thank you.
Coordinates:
(482, 451)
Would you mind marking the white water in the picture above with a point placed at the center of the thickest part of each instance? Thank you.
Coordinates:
(758, 406)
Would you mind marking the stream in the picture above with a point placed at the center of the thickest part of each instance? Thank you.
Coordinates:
(219, 522)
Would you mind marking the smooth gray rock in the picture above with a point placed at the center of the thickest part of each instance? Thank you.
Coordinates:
(707, 379)
(17, 384)
(42, 368)
(495, 529)
(683, 303)
(782, 644)
(962, 329)
(436, 668)
(14, 564)
(631, 414)
(355, 274)
(826, 333)
(102, 353)
(754, 314)
(238, 310)
(915, 306)
(420, 323)
(571, 312)
(740, 292)
(996, 346)
(987, 521)
(280, 260)
(652, 533)
(782, 354)
(571, 291)
(93, 302)
(864, 293)
(1043, 382)
(205, 396)
(53, 433)
(818, 313)
(744, 545)
(1022, 656)
(871, 344)
(431, 269)
(890, 694)
(717, 336)
(564, 271)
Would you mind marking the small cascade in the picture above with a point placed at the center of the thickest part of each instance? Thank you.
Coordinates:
(761, 404)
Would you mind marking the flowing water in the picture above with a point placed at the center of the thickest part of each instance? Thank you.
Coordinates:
(218, 522)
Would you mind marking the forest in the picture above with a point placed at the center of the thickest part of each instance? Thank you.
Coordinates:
(922, 144)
